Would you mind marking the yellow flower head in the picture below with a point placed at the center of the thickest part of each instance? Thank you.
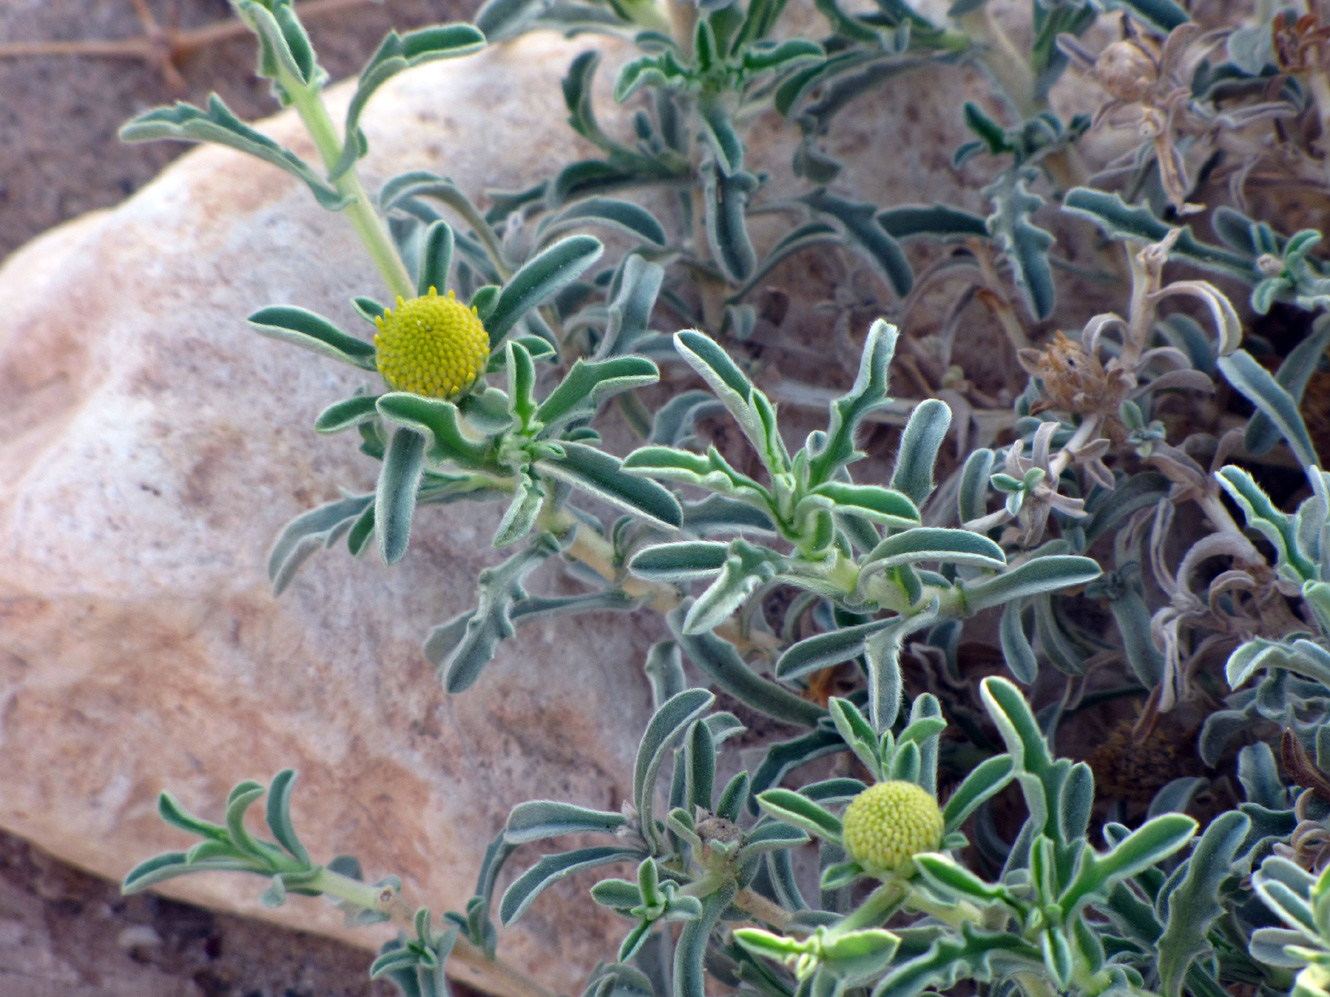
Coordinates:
(431, 346)
(888, 824)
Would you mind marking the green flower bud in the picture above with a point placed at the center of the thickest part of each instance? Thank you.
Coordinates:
(888, 824)
(431, 346)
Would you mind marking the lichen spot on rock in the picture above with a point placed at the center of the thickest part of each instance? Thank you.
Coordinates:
(431, 345)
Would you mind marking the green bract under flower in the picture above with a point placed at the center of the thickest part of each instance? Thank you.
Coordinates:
(431, 346)
(888, 824)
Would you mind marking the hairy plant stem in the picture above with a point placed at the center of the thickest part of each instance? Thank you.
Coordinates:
(494, 975)
(360, 212)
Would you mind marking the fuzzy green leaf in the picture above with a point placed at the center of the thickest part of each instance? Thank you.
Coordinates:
(538, 819)
(187, 123)
(302, 327)
(549, 871)
(539, 279)
(602, 475)
(395, 500)
(801, 812)
(1040, 574)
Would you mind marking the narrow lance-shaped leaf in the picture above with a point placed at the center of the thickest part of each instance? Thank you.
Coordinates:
(186, 123)
(666, 726)
(395, 500)
(1145, 847)
(1259, 386)
(1025, 244)
(395, 54)
(602, 475)
(867, 234)
(803, 813)
(725, 204)
(537, 819)
(279, 815)
(868, 393)
(436, 258)
(689, 975)
(539, 279)
(302, 327)
(1040, 574)
(1194, 904)
(923, 436)
(549, 871)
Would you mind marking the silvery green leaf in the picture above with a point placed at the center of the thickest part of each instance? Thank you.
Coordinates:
(722, 514)
(1279, 947)
(1287, 889)
(734, 796)
(939, 220)
(170, 810)
(1037, 575)
(796, 240)
(464, 645)
(629, 314)
(1058, 959)
(768, 838)
(170, 865)
(309, 532)
(858, 733)
(953, 880)
(1019, 730)
(601, 475)
(699, 765)
(720, 660)
(1194, 904)
(520, 516)
(395, 500)
(746, 568)
(968, 954)
(1162, 14)
(750, 408)
(1260, 388)
(882, 655)
(858, 957)
(1262, 516)
(1133, 616)
(781, 55)
(242, 796)
(1075, 802)
(539, 279)
(839, 874)
(438, 423)
(1259, 775)
(619, 894)
(186, 123)
(866, 233)
(937, 543)
(689, 974)
(718, 132)
(549, 871)
(711, 471)
(436, 258)
(347, 413)
(923, 436)
(1147, 846)
(667, 725)
(274, 895)
(868, 392)
(1025, 244)
(502, 19)
(675, 421)
(801, 812)
(586, 385)
(279, 815)
(395, 54)
(681, 561)
(622, 216)
(302, 327)
(1016, 649)
(1117, 220)
(972, 497)
(538, 819)
(874, 503)
(725, 203)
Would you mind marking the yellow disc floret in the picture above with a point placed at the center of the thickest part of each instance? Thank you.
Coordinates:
(888, 824)
(431, 346)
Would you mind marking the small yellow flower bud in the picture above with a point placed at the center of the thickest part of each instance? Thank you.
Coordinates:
(431, 346)
(888, 824)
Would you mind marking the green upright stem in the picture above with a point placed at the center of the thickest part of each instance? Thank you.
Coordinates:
(360, 211)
